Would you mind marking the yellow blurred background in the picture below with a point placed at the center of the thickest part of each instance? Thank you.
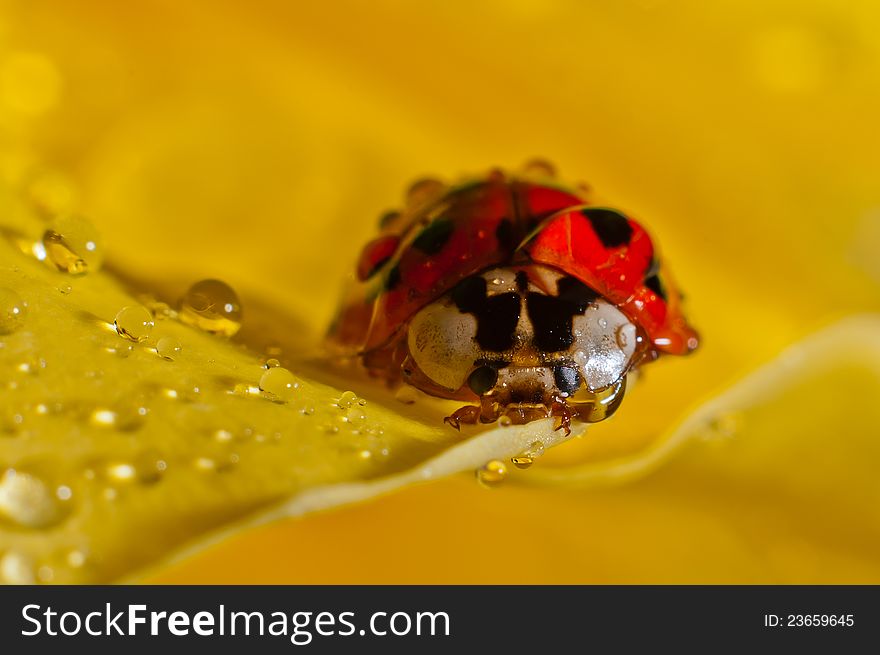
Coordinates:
(258, 142)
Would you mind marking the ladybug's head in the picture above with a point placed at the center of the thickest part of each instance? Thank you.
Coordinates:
(522, 336)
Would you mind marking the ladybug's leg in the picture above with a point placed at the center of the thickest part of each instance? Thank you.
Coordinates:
(561, 409)
(469, 414)
(489, 409)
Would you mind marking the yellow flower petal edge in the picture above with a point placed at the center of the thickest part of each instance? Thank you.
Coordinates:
(850, 342)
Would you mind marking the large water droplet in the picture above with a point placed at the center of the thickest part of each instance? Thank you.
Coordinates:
(212, 306)
(134, 322)
(280, 383)
(12, 311)
(73, 244)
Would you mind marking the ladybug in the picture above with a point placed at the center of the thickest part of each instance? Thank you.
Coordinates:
(513, 294)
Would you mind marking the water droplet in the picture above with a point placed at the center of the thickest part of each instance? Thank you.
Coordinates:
(212, 306)
(271, 363)
(121, 472)
(505, 421)
(63, 492)
(356, 416)
(16, 568)
(127, 415)
(406, 394)
(27, 500)
(307, 410)
(539, 168)
(223, 436)
(526, 458)
(603, 323)
(625, 335)
(76, 558)
(423, 191)
(168, 348)
(280, 384)
(65, 289)
(73, 244)
(12, 311)
(134, 322)
(349, 399)
(492, 473)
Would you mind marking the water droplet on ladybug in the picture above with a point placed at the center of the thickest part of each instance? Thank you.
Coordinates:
(539, 168)
(12, 311)
(73, 244)
(423, 191)
(212, 306)
(492, 473)
(134, 323)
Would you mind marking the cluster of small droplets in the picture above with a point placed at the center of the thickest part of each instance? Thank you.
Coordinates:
(72, 244)
(12, 311)
(349, 399)
(134, 323)
(212, 306)
(492, 473)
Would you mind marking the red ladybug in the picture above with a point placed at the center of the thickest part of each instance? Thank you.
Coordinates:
(514, 294)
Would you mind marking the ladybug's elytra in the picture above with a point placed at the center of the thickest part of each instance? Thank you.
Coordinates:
(515, 294)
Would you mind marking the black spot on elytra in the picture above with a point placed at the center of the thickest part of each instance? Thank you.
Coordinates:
(432, 239)
(482, 379)
(567, 379)
(654, 284)
(612, 227)
(496, 316)
(506, 235)
(552, 316)
(393, 278)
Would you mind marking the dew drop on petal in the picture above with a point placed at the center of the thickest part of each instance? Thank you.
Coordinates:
(280, 383)
(12, 311)
(168, 348)
(134, 323)
(356, 416)
(492, 473)
(212, 306)
(73, 244)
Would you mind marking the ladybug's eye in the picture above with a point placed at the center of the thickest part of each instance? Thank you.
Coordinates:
(483, 379)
